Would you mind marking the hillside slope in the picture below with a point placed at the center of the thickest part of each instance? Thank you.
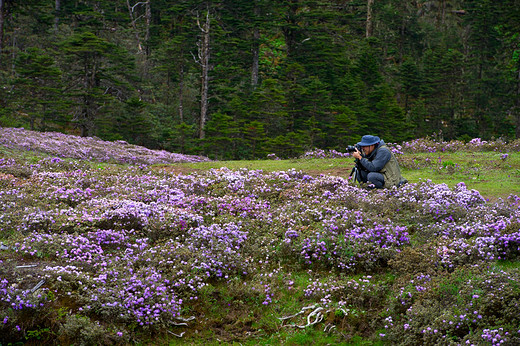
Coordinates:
(88, 148)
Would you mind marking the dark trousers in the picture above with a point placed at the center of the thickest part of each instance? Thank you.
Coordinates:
(372, 177)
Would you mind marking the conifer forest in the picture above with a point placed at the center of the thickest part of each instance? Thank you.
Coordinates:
(243, 79)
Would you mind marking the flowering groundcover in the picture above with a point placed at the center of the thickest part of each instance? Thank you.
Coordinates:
(117, 253)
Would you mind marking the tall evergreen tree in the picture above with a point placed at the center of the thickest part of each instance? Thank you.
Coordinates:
(38, 88)
(254, 138)
(269, 106)
(96, 70)
(484, 16)
(291, 74)
(2, 23)
(509, 31)
(222, 136)
(343, 130)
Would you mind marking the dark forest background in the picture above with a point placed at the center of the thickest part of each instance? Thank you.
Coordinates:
(244, 78)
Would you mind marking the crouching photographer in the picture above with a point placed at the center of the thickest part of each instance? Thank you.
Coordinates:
(375, 163)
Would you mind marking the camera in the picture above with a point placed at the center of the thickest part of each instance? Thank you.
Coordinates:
(352, 148)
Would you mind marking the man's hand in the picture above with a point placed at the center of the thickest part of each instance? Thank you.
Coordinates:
(357, 155)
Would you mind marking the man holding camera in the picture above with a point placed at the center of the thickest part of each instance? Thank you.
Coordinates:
(376, 164)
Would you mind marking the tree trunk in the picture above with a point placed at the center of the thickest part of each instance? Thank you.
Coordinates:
(181, 93)
(204, 54)
(148, 14)
(2, 6)
(88, 109)
(255, 52)
(57, 10)
(256, 56)
(516, 106)
(134, 25)
(370, 3)
(442, 12)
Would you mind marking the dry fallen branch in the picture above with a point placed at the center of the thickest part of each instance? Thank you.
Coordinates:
(38, 285)
(184, 320)
(177, 335)
(329, 327)
(179, 324)
(302, 311)
(319, 317)
(191, 318)
(314, 317)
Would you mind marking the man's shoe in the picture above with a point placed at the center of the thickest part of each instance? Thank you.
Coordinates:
(402, 182)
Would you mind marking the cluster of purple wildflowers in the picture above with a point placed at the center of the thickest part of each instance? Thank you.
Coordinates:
(7, 162)
(15, 298)
(138, 246)
(324, 154)
(495, 336)
(353, 248)
(67, 195)
(430, 145)
(407, 294)
(87, 148)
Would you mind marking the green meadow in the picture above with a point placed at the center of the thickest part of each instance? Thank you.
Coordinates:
(488, 172)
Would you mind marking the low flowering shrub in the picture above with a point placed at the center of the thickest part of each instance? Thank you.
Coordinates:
(141, 296)
(82, 329)
(351, 250)
(117, 253)
(87, 148)
(13, 168)
(430, 145)
(16, 303)
(71, 248)
(18, 299)
(459, 307)
(324, 154)
(217, 250)
(70, 196)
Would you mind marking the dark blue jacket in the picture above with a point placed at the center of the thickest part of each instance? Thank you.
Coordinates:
(383, 161)
(377, 158)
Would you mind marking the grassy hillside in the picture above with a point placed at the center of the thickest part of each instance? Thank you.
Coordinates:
(95, 251)
(493, 174)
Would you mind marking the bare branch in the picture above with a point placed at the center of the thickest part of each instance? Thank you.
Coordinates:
(133, 21)
(139, 3)
(177, 335)
(197, 60)
(191, 318)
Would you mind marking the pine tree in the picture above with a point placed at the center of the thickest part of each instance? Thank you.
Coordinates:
(269, 106)
(388, 120)
(222, 134)
(343, 130)
(484, 38)
(254, 139)
(38, 88)
(97, 70)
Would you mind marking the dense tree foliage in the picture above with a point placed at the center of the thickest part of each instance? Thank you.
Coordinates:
(241, 79)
